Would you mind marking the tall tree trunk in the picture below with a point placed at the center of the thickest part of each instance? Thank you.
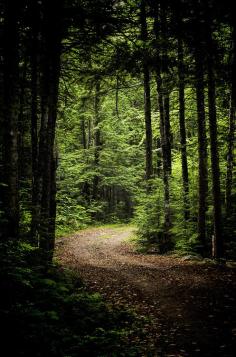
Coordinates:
(163, 136)
(230, 155)
(97, 137)
(1, 118)
(34, 121)
(165, 84)
(166, 99)
(49, 88)
(231, 133)
(182, 130)
(147, 97)
(83, 132)
(85, 190)
(159, 157)
(10, 197)
(22, 123)
(217, 242)
(202, 150)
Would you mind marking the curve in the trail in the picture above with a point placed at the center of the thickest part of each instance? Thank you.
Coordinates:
(192, 306)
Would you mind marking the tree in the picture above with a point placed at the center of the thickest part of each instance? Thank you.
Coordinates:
(147, 99)
(231, 130)
(97, 137)
(50, 67)
(202, 148)
(163, 104)
(10, 181)
(182, 128)
(217, 244)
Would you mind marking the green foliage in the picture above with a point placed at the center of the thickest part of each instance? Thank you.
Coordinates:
(48, 313)
(150, 220)
(121, 156)
(120, 168)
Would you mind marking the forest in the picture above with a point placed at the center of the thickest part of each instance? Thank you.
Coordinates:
(117, 178)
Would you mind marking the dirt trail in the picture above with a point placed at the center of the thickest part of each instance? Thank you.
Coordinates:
(191, 305)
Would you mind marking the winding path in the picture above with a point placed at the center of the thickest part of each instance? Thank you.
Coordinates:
(191, 305)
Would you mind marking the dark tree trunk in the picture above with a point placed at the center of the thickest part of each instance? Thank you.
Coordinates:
(22, 123)
(83, 132)
(97, 137)
(52, 32)
(231, 133)
(230, 157)
(1, 118)
(168, 134)
(10, 194)
(159, 157)
(164, 116)
(34, 122)
(202, 150)
(165, 85)
(147, 97)
(85, 191)
(217, 243)
(89, 133)
(182, 130)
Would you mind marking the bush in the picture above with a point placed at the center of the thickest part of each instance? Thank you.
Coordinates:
(150, 222)
(50, 314)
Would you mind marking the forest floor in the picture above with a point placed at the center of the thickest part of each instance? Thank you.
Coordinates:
(190, 305)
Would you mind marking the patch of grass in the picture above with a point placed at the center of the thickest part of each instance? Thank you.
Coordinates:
(118, 227)
(115, 226)
(132, 238)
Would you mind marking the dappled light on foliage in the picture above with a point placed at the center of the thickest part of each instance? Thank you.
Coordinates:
(117, 124)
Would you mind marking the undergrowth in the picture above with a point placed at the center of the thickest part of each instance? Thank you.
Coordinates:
(49, 313)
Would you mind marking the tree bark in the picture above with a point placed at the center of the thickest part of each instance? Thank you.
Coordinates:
(166, 99)
(97, 137)
(1, 120)
(34, 122)
(217, 241)
(10, 193)
(231, 132)
(165, 89)
(202, 149)
(49, 98)
(147, 97)
(182, 130)
(163, 135)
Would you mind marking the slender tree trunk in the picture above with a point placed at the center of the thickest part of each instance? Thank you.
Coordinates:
(34, 123)
(202, 150)
(147, 97)
(166, 99)
(159, 157)
(231, 133)
(163, 138)
(89, 133)
(217, 242)
(230, 158)
(21, 119)
(41, 214)
(182, 130)
(49, 88)
(97, 137)
(165, 89)
(10, 197)
(83, 132)
(117, 96)
(1, 119)
(166, 168)
(85, 191)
